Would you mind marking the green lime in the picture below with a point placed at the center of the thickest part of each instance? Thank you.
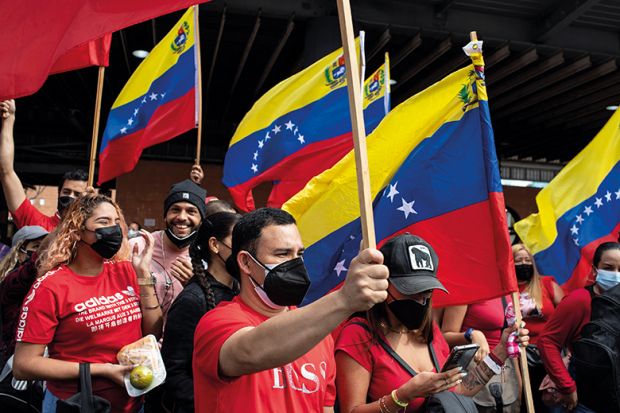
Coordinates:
(141, 377)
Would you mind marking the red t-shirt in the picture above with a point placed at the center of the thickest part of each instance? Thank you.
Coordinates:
(488, 317)
(536, 325)
(85, 319)
(27, 214)
(562, 330)
(387, 374)
(305, 385)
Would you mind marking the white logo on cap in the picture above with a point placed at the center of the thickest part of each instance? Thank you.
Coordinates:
(185, 195)
(420, 258)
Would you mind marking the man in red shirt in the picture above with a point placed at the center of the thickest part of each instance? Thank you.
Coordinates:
(71, 186)
(258, 353)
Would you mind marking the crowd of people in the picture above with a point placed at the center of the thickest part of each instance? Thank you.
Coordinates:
(220, 291)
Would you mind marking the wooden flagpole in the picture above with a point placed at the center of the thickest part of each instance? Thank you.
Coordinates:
(354, 86)
(95, 136)
(529, 400)
(199, 82)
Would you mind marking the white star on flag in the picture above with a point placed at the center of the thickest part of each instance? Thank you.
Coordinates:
(123, 130)
(340, 267)
(144, 99)
(608, 196)
(588, 210)
(393, 192)
(576, 241)
(163, 95)
(574, 230)
(295, 131)
(617, 194)
(260, 144)
(153, 96)
(301, 139)
(289, 125)
(254, 168)
(267, 137)
(579, 219)
(135, 112)
(255, 155)
(130, 121)
(598, 202)
(276, 129)
(407, 208)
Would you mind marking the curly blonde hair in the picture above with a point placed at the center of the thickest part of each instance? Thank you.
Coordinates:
(63, 248)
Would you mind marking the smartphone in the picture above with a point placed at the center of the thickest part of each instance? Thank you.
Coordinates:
(461, 356)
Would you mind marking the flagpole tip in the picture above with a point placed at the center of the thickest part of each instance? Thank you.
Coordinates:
(473, 36)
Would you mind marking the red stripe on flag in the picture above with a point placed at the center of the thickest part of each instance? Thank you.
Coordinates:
(466, 241)
(298, 168)
(582, 274)
(168, 121)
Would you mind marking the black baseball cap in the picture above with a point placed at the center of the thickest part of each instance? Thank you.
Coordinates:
(412, 263)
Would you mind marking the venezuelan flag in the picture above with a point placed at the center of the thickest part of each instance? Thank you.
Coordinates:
(298, 129)
(434, 173)
(577, 211)
(158, 102)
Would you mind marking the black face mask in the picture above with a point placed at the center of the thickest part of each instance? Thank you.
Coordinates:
(286, 283)
(63, 203)
(179, 242)
(525, 272)
(109, 241)
(409, 312)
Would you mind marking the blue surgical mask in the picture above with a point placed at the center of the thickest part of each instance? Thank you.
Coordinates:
(607, 279)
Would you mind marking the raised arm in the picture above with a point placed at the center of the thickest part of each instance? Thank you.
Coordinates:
(11, 185)
(294, 333)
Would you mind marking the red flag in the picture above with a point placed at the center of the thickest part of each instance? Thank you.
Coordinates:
(94, 53)
(37, 33)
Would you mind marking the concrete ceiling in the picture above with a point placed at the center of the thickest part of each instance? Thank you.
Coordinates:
(552, 68)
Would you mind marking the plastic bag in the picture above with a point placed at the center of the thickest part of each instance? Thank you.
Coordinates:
(144, 352)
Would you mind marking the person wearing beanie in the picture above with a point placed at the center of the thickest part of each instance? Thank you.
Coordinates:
(184, 210)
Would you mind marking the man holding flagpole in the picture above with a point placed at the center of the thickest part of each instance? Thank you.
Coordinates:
(72, 184)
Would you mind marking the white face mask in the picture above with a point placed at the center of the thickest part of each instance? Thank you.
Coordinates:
(607, 279)
(263, 295)
(259, 288)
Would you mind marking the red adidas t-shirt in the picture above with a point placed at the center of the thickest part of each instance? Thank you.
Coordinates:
(85, 319)
(305, 385)
(27, 214)
(387, 374)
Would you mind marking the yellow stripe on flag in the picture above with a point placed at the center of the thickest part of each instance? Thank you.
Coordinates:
(162, 57)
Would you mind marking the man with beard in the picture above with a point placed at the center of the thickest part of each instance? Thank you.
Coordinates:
(71, 186)
(184, 210)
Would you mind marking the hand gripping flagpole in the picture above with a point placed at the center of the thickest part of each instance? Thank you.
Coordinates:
(354, 86)
(95, 136)
(517, 309)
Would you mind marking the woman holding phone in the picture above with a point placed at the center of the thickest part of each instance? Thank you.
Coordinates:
(369, 378)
